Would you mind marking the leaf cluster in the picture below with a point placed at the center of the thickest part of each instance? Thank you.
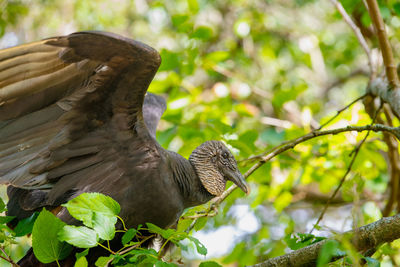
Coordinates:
(53, 240)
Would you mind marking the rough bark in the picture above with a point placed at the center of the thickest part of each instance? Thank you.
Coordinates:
(380, 87)
(364, 238)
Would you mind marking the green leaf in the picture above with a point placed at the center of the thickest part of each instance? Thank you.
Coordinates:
(209, 264)
(272, 137)
(372, 262)
(85, 205)
(184, 224)
(201, 222)
(179, 19)
(203, 33)
(193, 6)
(46, 247)
(82, 254)
(385, 12)
(81, 262)
(79, 236)
(201, 249)
(170, 60)
(104, 226)
(165, 264)
(128, 236)
(282, 201)
(6, 219)
(102, 261)
(2, 205)
(25, 226)
(143, 256)
(157, 230)
(396, 8)
(217, 56)
(249, 138)
(301, 240)
(328, 250)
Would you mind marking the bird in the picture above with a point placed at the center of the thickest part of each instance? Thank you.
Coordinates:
(75, 117)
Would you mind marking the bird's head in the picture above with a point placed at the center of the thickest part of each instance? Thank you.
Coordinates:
(214, 165)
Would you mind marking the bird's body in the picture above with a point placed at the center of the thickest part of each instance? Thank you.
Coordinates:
(75, 117)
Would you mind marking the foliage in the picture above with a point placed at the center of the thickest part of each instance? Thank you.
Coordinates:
(254, 74)
(301, 240)
(46, 246)
(99, 214)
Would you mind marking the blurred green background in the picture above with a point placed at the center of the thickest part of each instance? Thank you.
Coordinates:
(253, 74)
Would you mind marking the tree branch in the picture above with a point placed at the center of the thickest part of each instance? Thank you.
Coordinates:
(384, 44)
(355, 151)
(341, 110)
(258, 157)
(363, 238)
(393, 163)
(215, 202)
(358, 34)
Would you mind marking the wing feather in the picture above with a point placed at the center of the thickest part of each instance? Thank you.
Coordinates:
(63, 101)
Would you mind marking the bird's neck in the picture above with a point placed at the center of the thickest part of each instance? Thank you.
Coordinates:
(185, 176)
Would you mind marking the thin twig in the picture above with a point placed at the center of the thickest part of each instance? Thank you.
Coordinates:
(384, 44)
(358, 34)
(4, 258)
(106, 248)
(341, 110)
(289, 145)
(137, 245)
(322, 126)
(131, 248)
(363, 238)
(203, 214)
(7, 258)
(354, 153)
(340, 183)
(393, 156)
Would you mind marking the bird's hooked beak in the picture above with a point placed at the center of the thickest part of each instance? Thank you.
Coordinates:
(237, 178)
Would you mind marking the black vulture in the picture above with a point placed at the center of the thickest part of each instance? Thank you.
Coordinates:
(75, 117)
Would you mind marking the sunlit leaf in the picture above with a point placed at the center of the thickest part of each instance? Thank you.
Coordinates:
(45, 244)
(81, 262)
(330, 249)
(84, 206)
(102, 261)
(209, 264)
(201, 249)
(79, 236)
(202, 32)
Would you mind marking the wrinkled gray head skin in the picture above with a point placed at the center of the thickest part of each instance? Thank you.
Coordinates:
(214, 165)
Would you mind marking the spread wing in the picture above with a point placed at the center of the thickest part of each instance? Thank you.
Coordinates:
(67, 103)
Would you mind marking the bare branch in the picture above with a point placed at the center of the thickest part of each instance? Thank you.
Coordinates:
(215, 202)
(292, 143)
(384, 44)
(355, 153)
(341, 110)
(258, 157)
(394, 167)
(358, 34)
(366, 237)
(6, 257)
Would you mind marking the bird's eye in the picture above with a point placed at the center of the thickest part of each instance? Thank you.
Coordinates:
(225, 155)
